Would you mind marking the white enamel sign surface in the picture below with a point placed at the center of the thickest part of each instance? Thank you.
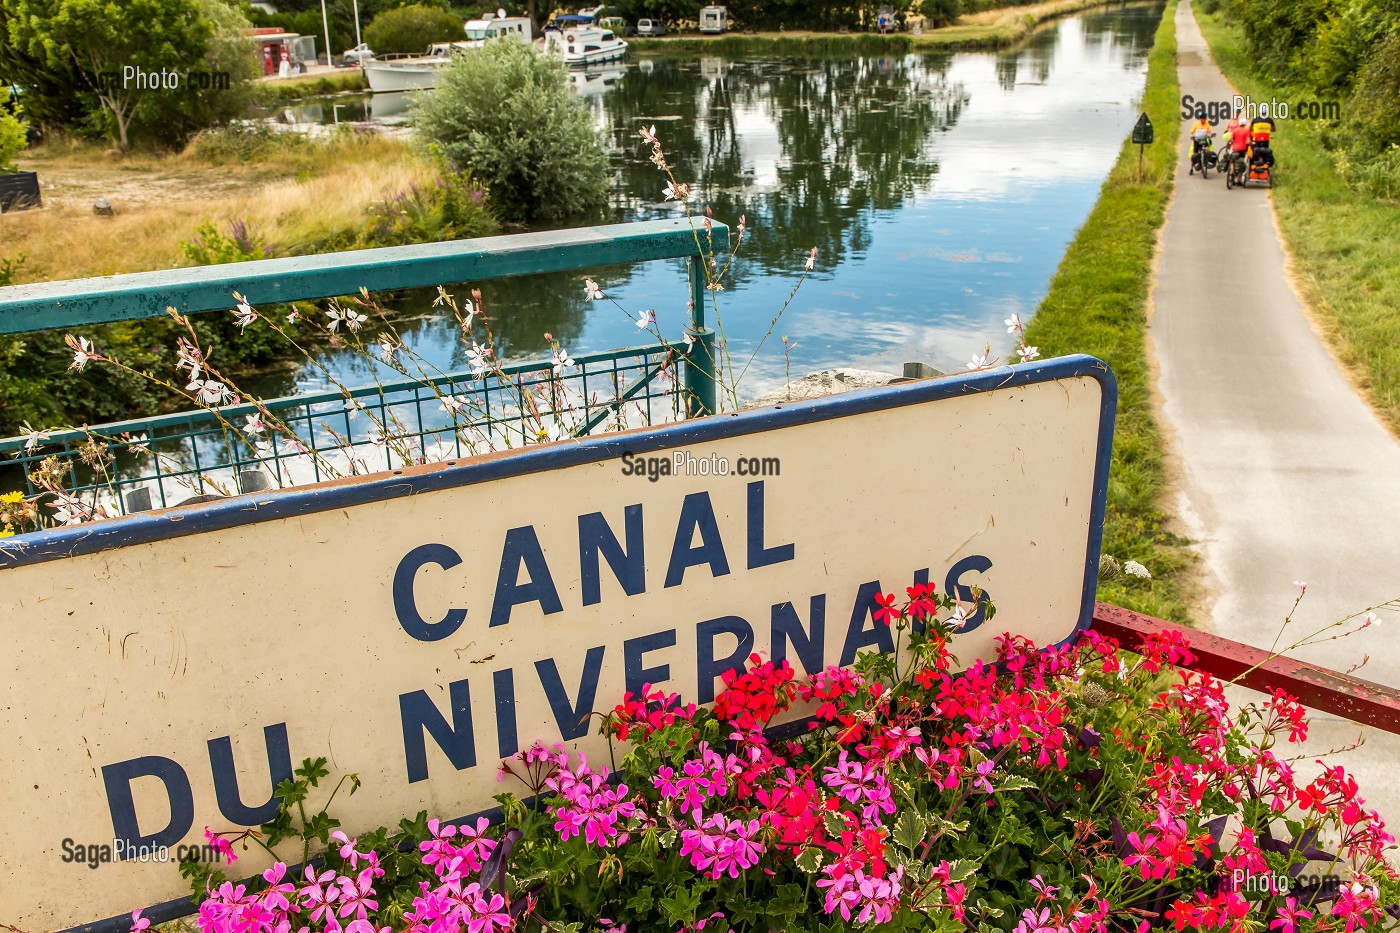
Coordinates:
(414, 628)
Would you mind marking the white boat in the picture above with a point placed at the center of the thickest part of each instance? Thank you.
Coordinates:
(584, 45)
(408, 72)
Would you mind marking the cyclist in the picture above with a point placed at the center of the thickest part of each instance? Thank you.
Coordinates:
(1238, 133)
(1261, 127)
(1200, 141)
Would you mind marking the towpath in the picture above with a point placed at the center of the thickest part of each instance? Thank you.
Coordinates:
(1286, 474)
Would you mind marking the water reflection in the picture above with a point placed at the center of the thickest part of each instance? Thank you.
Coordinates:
(939, 189)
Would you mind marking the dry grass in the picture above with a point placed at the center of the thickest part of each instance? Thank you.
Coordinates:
(289, 198)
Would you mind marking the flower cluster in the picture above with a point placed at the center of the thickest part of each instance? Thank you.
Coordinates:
(1078, 788)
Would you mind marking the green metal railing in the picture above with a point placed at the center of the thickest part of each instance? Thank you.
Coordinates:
(166, 460)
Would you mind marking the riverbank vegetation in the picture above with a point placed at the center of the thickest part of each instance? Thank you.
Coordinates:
(1098, 304)
(154, 72)
(978, 28)
(506, 114)
(1336, 199)
(235, 195)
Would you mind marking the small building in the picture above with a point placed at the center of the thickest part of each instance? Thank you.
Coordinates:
(274, 46)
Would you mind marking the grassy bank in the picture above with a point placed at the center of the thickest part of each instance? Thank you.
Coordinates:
(988, 30)
(283, 90)
(291, 194)
(1345, 244)
(1097, 303)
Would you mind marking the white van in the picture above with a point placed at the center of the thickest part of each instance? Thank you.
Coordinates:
(713, 19)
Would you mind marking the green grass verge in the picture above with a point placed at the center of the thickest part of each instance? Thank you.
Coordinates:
(1097, 304)
(1345, 244)
(271, 93)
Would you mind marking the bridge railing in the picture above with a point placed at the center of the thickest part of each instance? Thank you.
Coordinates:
(1316, 688)
(161, 461)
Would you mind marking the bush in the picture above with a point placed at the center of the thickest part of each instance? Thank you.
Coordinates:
(506, 115)
(14, 136)
(412, 29)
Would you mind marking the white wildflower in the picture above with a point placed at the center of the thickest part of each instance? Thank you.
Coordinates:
(83, 351)
(1013, 323)
(591, 291)
(244, 313)
(646, 319)
(32, 436)
(560, 360)
(478, 358)
(1029, 353)
(1133, 569)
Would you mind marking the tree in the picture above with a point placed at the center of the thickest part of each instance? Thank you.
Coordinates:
(214, 90)
(412, 29)
(14, 136)
(505, 114)
(112, 45)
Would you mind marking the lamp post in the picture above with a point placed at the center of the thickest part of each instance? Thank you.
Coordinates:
(326, 25)
(356, 5)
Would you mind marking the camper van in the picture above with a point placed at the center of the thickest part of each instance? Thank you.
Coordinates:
(713, 19)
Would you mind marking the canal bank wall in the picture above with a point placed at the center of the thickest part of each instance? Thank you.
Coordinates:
(994, 29)
(1098, 303)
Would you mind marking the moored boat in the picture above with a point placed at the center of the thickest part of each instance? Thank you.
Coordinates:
(409, 72)
(584, 45)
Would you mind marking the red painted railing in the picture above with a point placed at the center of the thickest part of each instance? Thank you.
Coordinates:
(1315, 687)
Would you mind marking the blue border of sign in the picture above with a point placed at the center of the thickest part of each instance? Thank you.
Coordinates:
(55, 544)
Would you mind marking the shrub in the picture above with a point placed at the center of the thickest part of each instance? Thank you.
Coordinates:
(505, 114)
(412, 29)
(14, 136)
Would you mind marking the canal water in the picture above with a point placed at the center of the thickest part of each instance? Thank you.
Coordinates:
(939, 189)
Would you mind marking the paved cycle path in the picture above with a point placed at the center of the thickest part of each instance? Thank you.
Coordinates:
(1286, 474)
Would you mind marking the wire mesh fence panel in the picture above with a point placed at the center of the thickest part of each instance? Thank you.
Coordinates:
(160, 462)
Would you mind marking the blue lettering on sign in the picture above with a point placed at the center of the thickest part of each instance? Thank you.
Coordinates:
(707, 667)
(420, 718)
(628, 565)
(507, 735)
(636, 674)
(955, 587)
(809, 643)
(522, 547)
(572, 718)
(404, 606)
(760, 556)
(279, 766)
(857, 635)
(697, 514)
(117, 779)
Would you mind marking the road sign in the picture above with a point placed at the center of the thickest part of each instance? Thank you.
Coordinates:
(1142, 131)
(165, 670)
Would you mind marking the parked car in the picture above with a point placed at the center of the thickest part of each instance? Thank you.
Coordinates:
(651, 27)
(359, 53)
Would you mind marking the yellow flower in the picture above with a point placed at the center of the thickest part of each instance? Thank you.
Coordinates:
(11, 498)
(7, 532)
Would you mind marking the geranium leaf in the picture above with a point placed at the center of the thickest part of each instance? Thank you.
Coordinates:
(810, 861)
(961, 870)
(1015, 782)
(910, 830)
